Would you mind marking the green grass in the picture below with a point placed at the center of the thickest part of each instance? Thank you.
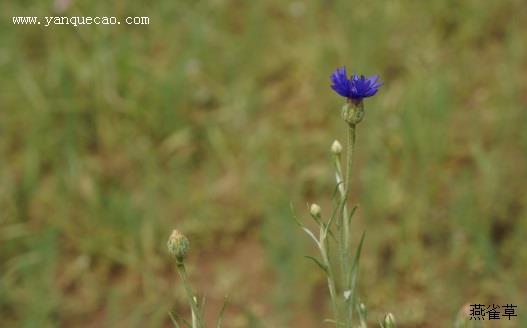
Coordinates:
(216, 116)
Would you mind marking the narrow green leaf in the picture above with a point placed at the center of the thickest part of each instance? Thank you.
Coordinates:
(352, 212)
(293, 213)
(175, 317)
(310, 234)
(174, 321)
(332, 218)
(322, 266)
(336, 190)
(328, 231)
(355, 265)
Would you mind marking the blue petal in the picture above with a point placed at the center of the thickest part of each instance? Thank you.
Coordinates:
(340, 81)
(373, 79)
(356, 87)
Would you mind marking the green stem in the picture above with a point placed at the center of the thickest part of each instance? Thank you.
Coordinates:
(349, 162)
(342, 211)
(331, 282)
(346, 224)
(196, 314)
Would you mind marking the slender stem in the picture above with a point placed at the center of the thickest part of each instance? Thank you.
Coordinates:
(196, 314)
(346, 225)
(342, 185)
(194, 318)
(342, 214)
(349, 162)
(331, 282)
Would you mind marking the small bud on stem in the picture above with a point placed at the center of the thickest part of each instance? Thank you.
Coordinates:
(363, 310)
(315, 210)
(363, 315)
(336, 147)
(178, 245)
(389, 321)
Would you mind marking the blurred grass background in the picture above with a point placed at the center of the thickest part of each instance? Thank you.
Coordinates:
(219, 113)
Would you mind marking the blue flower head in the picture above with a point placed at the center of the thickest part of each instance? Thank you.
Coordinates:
(356, 87)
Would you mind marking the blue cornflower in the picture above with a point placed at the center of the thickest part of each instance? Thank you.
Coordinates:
(356, 87)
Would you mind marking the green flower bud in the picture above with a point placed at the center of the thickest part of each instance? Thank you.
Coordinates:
(363, 315)
(389, 321)
(315, 210)
(363, 311)
(336, 147)
(353, 112)
(178, 245)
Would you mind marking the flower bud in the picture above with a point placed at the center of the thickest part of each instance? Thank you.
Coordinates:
(363, 315)
(389, 321)
(336, 147)
(178, 245)
(353, 112)
(363, 311)
(315, 210)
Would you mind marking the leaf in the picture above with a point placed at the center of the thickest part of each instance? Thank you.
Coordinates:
(310, 234)
(175, 316)
(306, 230)
(352, 212)
(328, 231)
(294, 215)
(174, 321)
(322, 266)
(355, 265)
(331, 219)
(356, 259)
(336, 190)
